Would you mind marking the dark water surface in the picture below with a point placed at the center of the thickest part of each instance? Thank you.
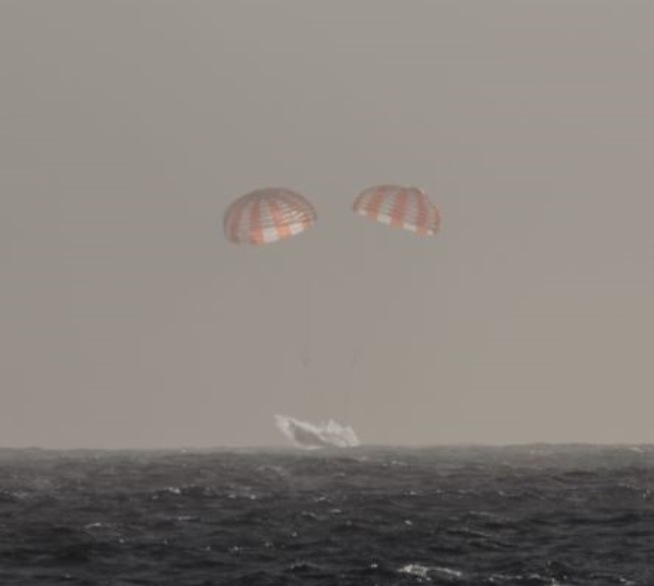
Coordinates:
(537, 515)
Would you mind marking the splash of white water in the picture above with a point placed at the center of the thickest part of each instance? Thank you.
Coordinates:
(308, 436)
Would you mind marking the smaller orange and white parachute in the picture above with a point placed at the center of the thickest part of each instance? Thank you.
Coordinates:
(268, 215)
(400, 207)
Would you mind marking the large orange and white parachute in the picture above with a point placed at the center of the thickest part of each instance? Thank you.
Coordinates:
(268, 215)
(400, 207)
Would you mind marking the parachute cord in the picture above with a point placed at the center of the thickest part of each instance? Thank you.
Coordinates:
(357, 325)
(313, 390)
(308, 318)
(305, 349)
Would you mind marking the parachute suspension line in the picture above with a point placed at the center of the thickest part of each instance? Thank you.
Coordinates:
(321, 402)
(313, 390)
(362, 309)
(357, 327)
(308, 320)
(350, 388)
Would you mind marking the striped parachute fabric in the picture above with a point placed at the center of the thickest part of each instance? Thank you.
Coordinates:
(400, 207)
(268, 215)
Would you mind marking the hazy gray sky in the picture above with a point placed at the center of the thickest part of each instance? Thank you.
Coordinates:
(127, 127)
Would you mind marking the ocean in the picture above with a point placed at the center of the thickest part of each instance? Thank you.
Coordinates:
(538, 515)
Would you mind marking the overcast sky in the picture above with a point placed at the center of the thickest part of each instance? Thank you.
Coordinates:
(126, 128)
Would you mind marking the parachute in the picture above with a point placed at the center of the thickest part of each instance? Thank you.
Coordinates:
(407, 208)
(268, 215)
(400, 207)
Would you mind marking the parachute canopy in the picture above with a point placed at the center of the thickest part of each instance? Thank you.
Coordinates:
(400, 207)
(268, 215)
